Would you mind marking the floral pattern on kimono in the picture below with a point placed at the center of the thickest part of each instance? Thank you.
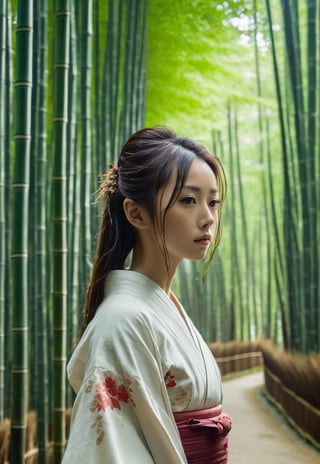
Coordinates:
(179, 397)
(137, 363)
(108, 394)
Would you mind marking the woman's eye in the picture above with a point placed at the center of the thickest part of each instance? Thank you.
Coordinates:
(188, 201)
(214, 203)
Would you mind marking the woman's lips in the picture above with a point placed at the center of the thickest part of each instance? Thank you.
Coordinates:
(203, 241)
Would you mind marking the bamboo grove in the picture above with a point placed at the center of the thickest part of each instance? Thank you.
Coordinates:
(75, 82)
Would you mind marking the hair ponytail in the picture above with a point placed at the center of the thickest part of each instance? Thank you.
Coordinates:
(115, 241)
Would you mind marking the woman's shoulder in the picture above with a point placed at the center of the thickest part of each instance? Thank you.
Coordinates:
(122, 315)
(119, 322)
(123, 305)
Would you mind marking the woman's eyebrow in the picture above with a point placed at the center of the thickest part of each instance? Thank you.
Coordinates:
(194, 188)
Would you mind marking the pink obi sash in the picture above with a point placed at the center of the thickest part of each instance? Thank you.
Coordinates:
(204, 435)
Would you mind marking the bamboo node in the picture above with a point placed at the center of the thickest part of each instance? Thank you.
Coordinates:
(64, 120)
(62, 13)
(23, 84)
(24, 29)
(19, 255)
(61, 66)
(22, 137)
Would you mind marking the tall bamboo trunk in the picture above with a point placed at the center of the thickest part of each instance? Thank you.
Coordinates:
(86, 190)
(2, 201)
(236, 282)
(32, 277)
(41, 234)
(73, 170)
(59, 217)
(111, 83)
(8, 157)
(266, 306)
(225, 320)
(133, 67)
(313, 144)
(293, 47)
(20, 217)
(244, 281)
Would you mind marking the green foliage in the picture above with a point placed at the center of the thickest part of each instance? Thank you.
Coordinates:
(273, 158)
(192, 55)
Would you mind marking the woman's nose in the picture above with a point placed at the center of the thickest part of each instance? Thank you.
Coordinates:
(207, 218)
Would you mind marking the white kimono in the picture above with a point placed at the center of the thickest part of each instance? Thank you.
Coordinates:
(137, 363)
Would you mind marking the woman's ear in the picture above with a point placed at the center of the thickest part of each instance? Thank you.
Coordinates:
(136, 215)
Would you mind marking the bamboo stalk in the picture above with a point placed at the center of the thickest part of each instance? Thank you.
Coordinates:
(244, 227)
(111, 82)
(97, 142)
(2, 202)
(265, 235)
(86, 190)
(59, 218)
(235, 280)
(20, 217)
(74, 201)
(8, 157)
(292, 40)
(220, 306)
(41, 234)
(225, 318)
(313, 148)
(32, 248)
(141, 66)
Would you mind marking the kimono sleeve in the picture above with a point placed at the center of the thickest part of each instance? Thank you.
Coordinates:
(122, 413)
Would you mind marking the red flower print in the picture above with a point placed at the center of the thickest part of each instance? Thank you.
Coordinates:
(123, 394)
(111, 386)
(169, 380)
(103, 400)
(110, 395)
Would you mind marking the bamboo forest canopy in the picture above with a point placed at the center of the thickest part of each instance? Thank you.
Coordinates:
(244, 78)
(77, 78)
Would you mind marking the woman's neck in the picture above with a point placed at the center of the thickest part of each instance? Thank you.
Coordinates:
(153, 266)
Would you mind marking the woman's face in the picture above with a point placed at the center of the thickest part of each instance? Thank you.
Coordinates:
(190, 223)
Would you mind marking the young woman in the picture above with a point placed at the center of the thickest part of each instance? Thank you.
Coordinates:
(148, 388)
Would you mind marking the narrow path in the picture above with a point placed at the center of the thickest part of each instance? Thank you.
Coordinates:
(259, 434)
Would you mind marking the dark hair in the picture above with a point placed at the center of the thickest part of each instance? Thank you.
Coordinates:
(146, 163)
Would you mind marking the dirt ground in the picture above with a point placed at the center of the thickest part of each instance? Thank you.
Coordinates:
(259, 434)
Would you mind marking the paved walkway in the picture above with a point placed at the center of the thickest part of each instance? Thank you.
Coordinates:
(259, 434)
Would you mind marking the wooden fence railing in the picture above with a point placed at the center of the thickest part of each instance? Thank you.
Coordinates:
(303, 416)
(239, 362)
(236, 356)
